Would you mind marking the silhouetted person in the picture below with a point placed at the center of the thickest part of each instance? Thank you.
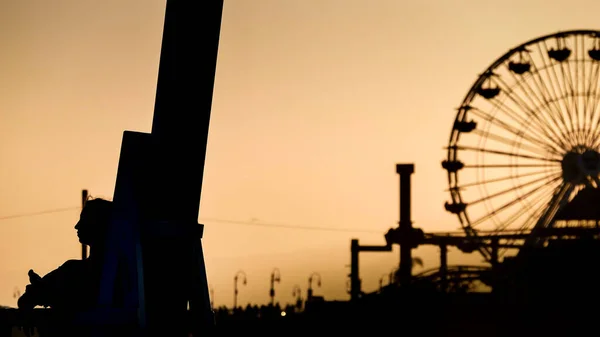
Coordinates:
(74, 285)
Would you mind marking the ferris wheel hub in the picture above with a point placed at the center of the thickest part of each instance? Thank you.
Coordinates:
(581, 167)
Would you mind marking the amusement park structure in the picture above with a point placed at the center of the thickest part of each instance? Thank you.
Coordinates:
(523, 163)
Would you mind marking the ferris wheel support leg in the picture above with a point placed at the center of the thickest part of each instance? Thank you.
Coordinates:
(405, 171)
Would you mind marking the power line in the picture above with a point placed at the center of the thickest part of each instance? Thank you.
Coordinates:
(217, 220)
(273, 225)
(23, 215)
(235, 222)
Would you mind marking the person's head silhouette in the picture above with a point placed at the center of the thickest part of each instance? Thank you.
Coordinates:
(93, 221)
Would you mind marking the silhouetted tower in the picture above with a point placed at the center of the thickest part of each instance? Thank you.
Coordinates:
(405, 171)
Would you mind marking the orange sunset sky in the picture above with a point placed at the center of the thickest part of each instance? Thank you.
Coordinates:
(315, 102)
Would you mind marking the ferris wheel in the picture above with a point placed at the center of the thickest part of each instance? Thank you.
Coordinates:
(526, 137)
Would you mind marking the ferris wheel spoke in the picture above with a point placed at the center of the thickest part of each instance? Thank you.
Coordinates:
(570, 89)
(505, 165)
(543, 205)
(512, 143)
(548, 96)
(543, 126)
(552, 123)
(503, 153)
(554, 78)
(539, 202)
(559, 200)
(591, 104)
(535, 127)
(595, 110)
(580, 87)
(507, 127)
(594, 98)
(549, 127)
(510, 203)
(505, 178)
(512, 189)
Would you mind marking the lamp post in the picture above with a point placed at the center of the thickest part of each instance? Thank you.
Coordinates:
(235, 285)
(297, 293)
(313, 276)
(275, 277)
(212, 297)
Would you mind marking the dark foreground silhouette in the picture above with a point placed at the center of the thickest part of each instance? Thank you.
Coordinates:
(74, 286)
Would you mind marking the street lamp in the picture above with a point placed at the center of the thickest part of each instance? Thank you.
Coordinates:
(310, 280)
(275, 277)
(297, 292)
(212, 297)
(235, 285)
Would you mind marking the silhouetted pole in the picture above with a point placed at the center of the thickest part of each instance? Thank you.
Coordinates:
(84, 197)
(311, 278)
(235, 286)
(405, 171)
(212, 298)
(275, 277)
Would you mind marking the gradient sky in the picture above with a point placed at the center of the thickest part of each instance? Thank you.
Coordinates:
(315, 102)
